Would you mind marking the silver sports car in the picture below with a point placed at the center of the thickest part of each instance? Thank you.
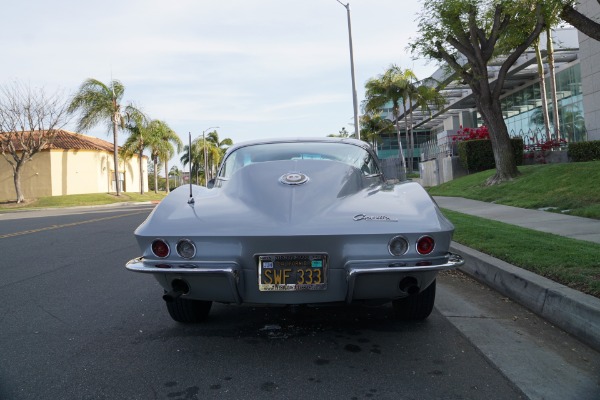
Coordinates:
(303, 221)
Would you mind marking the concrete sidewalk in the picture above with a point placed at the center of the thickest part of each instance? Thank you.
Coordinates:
(569, 309)
(544, 221)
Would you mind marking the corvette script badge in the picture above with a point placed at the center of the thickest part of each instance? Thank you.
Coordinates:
(380, 218)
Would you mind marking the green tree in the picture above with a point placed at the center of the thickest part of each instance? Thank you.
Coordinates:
(388, 87)
(137, 125)
(101, 103)
(467, 35)
(542, 80)
(160, 139)
(428, 97)
(408, 95)
(195, 158)
(343, 133)
(372, 126)
(171, 144)
(221, 147)
(175, 172)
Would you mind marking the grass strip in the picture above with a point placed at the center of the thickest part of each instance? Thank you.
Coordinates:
(570, 188)
(74, 200)
(574, 263)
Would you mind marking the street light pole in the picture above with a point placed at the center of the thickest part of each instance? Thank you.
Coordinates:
(354, 98)
(206, 153)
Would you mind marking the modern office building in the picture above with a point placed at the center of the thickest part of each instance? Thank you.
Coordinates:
(578, 91)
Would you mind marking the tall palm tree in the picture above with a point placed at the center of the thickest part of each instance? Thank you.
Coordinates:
(176, 173)
(137, 125)
(409, 93)
(205, 147)
(194, 157)
(221, 145)
(542, 80)
(160, 138)
(428, 98)
(98, 102)
(388, 87)
(372, 126)
(171, 143)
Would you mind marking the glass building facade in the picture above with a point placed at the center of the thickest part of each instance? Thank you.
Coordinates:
(522, 111)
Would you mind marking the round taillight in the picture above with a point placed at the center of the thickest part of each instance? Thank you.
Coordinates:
(398, 246)
(425, 245)
(160, 248)
(186, 248)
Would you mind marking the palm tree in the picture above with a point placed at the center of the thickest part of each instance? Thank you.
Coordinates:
(372, 126)
(137, 125)
(409, 93)
(160, 139)
(195, 162)
(167, 151)
(541, 75)
(176, 173)
(428, 97)
(98, 102)
(205, 147)
(221, 145)
(343, 133)
(388, 87)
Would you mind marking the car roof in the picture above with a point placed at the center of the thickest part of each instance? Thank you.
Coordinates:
(351, 141)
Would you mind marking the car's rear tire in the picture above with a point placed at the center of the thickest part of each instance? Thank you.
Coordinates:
(416, 307)
(188, 311)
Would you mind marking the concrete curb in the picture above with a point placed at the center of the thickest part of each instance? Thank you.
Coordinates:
(572, 311)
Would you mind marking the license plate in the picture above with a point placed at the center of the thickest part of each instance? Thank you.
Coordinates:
(292, 272)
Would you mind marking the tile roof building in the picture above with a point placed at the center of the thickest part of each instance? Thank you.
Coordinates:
(71, 164)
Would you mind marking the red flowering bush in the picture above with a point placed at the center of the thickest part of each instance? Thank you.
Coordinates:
(465, 134)
(538, 151)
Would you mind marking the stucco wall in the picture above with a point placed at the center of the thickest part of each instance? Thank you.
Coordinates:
(131, 170)
(35, 178)
(79, 171)
(63, 172)
(87, 171)
(590, 73)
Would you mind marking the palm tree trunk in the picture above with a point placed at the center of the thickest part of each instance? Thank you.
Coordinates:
(155, 175)
(550, 49)
(412, 136)
(116, 154)
(540, 66)
(400, 150)
(405, 127)
(141, 156)
(167, 175)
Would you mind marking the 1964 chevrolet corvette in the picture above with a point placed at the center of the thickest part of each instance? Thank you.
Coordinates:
(304, 221)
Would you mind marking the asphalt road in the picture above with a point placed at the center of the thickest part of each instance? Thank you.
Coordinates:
(74, 324)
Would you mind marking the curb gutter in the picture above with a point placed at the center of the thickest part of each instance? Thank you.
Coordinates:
(572, 311)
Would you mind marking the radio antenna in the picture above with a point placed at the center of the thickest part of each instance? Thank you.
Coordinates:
(191, 199)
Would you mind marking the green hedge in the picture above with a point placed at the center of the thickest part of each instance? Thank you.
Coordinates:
(477, 155)
(585, 151)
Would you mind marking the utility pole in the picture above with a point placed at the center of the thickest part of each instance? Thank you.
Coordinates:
(354, 98)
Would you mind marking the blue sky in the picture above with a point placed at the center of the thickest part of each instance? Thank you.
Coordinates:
(256, 69)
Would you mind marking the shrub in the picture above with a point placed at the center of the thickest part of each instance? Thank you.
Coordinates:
(585, 151)
(475, 149)
(476, 155)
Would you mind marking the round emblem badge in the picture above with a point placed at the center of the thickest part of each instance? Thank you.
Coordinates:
(294, 178)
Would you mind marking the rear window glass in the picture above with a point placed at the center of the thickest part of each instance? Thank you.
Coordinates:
(342, 152)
